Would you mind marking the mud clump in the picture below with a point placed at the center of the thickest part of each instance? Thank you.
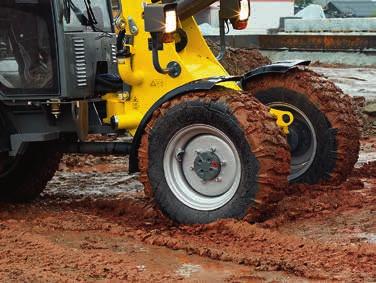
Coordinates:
(243, 243)
(368, 170)
(240, 61)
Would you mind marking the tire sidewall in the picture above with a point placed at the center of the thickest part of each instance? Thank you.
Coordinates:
(216, 115)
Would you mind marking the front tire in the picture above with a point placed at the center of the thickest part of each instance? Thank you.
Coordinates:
(324, 137)
(208, 156)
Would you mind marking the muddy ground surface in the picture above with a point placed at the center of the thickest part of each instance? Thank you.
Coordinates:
(93, 223)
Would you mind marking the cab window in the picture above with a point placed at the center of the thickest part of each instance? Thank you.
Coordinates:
(100, 11)
(28, 61)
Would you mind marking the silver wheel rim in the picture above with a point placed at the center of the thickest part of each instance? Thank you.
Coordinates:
(185, 184)
(301, 163)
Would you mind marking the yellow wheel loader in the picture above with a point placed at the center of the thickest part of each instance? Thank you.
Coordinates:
(207, 145)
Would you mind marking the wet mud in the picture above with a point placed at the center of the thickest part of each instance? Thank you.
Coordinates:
(97, 225)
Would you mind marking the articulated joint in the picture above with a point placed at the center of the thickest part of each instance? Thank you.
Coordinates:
(130, 77)
(284, 119)
(129, 121)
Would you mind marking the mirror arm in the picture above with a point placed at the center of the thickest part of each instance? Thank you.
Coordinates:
(222, 36)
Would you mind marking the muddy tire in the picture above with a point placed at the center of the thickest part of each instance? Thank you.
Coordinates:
(212, 155)
(24, 178)
(324, 137)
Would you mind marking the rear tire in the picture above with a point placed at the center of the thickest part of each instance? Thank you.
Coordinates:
(25, 177)
(206, 127)
(326, 124)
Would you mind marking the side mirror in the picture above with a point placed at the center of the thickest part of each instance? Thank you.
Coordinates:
(161, 18)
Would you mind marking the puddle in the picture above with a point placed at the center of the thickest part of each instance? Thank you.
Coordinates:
(186, 270)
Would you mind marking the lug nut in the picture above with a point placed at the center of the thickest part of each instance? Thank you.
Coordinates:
(179, 154)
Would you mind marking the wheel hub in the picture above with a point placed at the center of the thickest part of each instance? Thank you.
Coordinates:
(207, 165)
(202, 167)
(301, 138)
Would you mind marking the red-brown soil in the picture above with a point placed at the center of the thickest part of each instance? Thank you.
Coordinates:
(240, 61)
(99, 227)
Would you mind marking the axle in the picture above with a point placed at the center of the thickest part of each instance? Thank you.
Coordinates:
(96, 148)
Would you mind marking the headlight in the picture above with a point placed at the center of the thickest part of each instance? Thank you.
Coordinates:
(245, 10)
(171, 21)
(161, 18)
(237, 11)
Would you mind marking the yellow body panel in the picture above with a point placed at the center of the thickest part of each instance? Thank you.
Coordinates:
(148, 86)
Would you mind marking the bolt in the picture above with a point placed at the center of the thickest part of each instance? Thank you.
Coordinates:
(179, 153)
(218, 180)
(223, 163)
(192, 168)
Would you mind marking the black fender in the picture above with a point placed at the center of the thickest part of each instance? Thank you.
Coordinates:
(202, 85)
(199, 85)
(278, 67)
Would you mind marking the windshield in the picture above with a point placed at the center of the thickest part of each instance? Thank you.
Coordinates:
(101, 12)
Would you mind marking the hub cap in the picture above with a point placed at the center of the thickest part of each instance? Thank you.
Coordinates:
(207, 165)
(202, 167)
(301, 138)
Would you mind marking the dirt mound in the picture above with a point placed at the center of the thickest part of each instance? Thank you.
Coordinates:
(304, 201)
(240, 61)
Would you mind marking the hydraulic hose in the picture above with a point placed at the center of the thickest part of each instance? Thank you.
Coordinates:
(173, 68)
(156, 63)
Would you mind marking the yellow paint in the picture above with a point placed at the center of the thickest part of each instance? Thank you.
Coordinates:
(147, 85)
(278, 114)
(133, 78)
(197, 62)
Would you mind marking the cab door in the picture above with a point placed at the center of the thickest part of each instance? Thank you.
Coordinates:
(28, 51)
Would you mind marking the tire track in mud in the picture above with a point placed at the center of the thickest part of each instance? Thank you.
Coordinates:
(120, 215)
(258, 245)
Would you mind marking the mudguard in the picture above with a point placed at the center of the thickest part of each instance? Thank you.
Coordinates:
(202, 85)
(199, 85)
(278, 67)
